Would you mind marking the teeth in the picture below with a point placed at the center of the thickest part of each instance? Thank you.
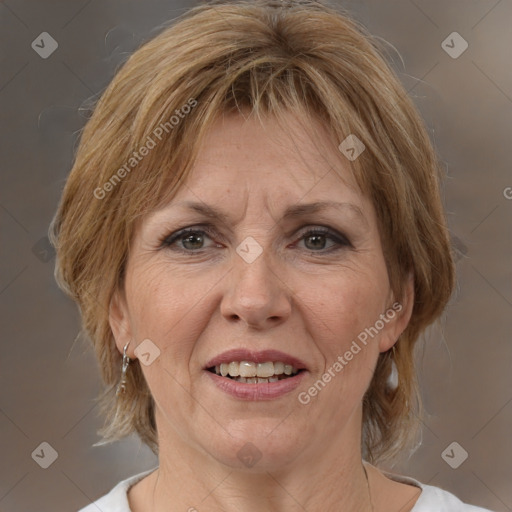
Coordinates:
(234, 369)
(247, 369)
(278, 368)
(255, 372)
(265, 369)
(256, 380)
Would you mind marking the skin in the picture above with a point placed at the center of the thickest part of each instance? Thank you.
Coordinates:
(299, 296)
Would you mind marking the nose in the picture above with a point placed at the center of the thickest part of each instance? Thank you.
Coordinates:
(256, 294)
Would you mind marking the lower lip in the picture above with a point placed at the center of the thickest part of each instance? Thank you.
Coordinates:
(259, 390)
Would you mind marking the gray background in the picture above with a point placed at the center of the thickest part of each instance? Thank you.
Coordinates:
(48, 376)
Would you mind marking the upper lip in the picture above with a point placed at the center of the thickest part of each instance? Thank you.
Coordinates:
(260, 356)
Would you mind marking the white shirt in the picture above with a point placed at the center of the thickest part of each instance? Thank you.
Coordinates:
(432, 499)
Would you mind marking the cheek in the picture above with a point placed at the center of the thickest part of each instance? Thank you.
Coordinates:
(164, 308)
(170, 308)
(160, 298)
(342, 308)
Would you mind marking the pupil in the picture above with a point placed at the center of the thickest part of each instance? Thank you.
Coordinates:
(192, 238)
(317, 238)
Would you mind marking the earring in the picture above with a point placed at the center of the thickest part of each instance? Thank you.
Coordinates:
(121, 388)
(393, 376)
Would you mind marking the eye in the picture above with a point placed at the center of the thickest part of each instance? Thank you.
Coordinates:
(188, 239)
(315, 240)
(193, 239)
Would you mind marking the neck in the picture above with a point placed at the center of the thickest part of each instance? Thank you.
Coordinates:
(320, 478)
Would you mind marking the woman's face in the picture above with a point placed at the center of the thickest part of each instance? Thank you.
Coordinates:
(268, 272)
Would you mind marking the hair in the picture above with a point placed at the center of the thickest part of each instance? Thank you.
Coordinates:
(266, 58)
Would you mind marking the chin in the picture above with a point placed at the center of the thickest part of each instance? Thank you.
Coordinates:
(259, 445)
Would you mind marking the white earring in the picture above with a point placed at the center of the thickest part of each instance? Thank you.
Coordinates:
(393, 376)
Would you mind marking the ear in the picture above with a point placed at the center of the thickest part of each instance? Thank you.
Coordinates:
(398, 316)
(119, 320)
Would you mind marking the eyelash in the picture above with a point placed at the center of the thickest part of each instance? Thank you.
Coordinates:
(169, 240)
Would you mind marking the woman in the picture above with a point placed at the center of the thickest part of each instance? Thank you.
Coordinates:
(253, 231)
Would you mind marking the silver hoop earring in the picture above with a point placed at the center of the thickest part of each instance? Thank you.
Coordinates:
(121, 388)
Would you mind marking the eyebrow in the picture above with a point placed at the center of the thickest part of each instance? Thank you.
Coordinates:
(292, 212)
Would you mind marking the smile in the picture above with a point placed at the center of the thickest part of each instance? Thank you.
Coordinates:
(250, 372)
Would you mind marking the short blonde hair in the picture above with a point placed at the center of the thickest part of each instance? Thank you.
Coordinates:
(270, 58)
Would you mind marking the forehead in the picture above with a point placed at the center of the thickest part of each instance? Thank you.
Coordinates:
(248, 172)
(270, 157)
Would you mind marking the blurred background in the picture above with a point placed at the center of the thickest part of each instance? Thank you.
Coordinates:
(453, 56)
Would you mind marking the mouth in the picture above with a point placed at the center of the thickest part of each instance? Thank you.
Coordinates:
(256, 375)
(250, 372)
